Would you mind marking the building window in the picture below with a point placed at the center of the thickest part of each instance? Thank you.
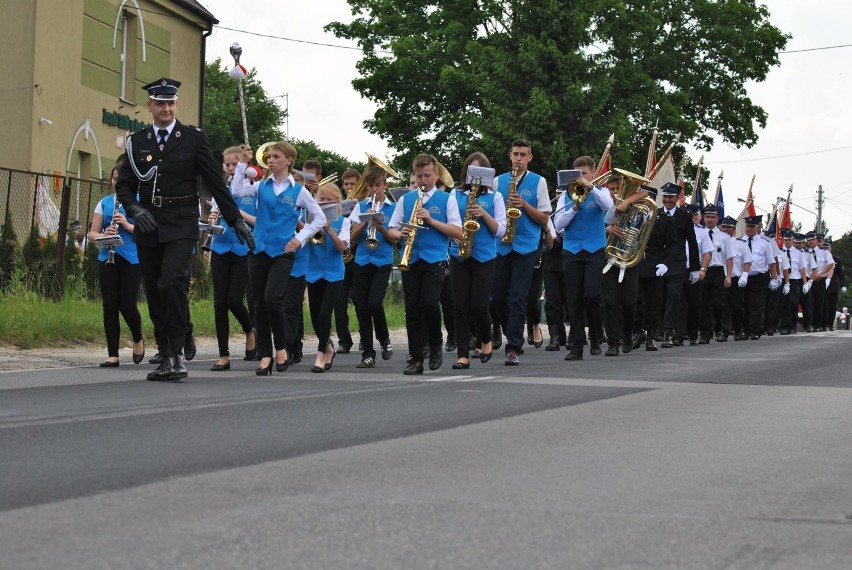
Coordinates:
(128, 58)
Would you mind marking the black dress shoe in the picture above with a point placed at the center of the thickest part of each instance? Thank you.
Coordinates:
(413, 368)
(450, 346)
(638, 340)
(461, 365)
(784, 332)
(177, 369)
(627, 346)
(344, 348)
(696, 342)
(435, 359)
(156, 359)
(109, 364)
(677, 341)
(512, 358)
(161, 373)
(770, 333)
(409, 359)
(220, 367)
(754, 337)
(667, 341)
(594, 350)
(553, 345)
(722, 338)
(427, 352)
(576, 355)
(649, 345)
(612, 350)
(189, 347)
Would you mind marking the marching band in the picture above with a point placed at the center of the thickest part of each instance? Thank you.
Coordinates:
(609, 261)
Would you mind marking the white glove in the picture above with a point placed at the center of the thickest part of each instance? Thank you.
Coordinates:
(661, 269)
(693, 277)
(827, 282)
(843, 289)
(773, 284)
(806, 287)
(743, 280)
(786, 289)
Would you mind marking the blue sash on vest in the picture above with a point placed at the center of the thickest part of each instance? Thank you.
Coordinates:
(484, 242)
(276, 218)
(527, 232)
(128, 250)
(430, 245)
(587, 230)
(384, 254)
(324, 261)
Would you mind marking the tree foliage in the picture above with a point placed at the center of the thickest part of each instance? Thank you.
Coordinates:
(462, 75)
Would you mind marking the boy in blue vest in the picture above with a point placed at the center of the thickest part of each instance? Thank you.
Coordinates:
(516, 260)
(583, 243)
(421, 284)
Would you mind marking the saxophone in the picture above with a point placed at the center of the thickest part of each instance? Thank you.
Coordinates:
(414, 223)
(512, 214)
(470, 226)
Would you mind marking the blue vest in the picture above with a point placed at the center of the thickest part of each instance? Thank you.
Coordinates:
(484, 242)
(276, 218)
(324, 261)
(128, 250)
(300, 261)
(384, 254)
(587, 230)
(430, 245)
(227, 240)
(527, 232)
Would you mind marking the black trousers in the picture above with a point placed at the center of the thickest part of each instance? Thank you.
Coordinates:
(119, 285)
(370, 284)
(714, 307)
(807, 302)
(619, 304)
(230, 277)
(165, 272)
(773, 310)
(447, 307)
(672, 292)
(534, 298)
(689, 315)
(736, 301)
(554, 295)
(269, 277)
(790, 306)
(818, 296)
(831, 296)
(322, 296)
(294, 314)
(755, 303)
(341, 306)
(421, 285)
(471, 280)
(513, 274)
(583, 292)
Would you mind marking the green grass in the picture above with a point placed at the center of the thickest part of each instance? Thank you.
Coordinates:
(28, 321)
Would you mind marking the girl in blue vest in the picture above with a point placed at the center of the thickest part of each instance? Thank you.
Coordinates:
(229, 260)
(279, 201)
(421, 284)
(325, 275)
(119, 281)
(372, 266)
(472, 277)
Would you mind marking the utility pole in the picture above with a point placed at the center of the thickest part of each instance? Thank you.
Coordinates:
(819, 228)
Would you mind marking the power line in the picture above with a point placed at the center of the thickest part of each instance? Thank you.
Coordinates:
(814, 49)
(782, 155)
(282, 38)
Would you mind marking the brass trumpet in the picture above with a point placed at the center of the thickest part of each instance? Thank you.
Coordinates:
(371, 242)
(578, 194)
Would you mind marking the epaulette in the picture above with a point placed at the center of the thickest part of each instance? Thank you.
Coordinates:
(766, 238)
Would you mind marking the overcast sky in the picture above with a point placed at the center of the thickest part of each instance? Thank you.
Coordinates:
(808, 99)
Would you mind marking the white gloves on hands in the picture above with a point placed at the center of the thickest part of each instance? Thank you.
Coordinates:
(786, 289)
(806, 287)
(661, 269)
(742, 280)
(827, 282)
(774, 284)
(843, 289)
(693, 277)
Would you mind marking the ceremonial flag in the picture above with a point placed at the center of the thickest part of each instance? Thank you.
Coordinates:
(720, 200)
(651, 162)
(748, 210)
(681, 199)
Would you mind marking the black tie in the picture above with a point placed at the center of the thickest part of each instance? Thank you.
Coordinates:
(162, 133)
(669, 213)
(711, 235)
(789, 258)
(749, 244)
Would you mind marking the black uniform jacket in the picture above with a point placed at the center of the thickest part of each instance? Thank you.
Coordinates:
(661, 248)
(685, 230)
(185, 156)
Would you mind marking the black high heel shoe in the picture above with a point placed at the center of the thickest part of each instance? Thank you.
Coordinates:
(265, 370)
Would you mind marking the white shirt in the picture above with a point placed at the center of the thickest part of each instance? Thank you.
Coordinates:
(170, 128)
(762, 255)
(564, 215)
(704, 244)
(823, 259)
(452, 210)
(719, 240)
(797, 262)
(738, 251)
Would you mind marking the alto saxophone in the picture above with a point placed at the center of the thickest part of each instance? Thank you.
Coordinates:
(413, 225)
(470, 226)
(512, 214)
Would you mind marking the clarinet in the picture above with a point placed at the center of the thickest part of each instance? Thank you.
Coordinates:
(114, 225)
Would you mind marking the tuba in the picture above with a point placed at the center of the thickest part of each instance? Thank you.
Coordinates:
(512, 214)
(414, 225)
(360, 191)
(636, 225)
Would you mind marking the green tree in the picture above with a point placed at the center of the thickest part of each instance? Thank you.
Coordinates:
(222, 118)
(331, 161)
(460, 75)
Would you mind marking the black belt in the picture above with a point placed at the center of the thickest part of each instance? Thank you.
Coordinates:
(160, 201)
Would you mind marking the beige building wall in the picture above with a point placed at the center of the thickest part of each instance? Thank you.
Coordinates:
(66, 47)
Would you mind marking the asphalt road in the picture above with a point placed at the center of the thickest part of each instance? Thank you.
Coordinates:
(732, 455)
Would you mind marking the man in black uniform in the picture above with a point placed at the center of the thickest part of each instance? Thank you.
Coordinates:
(164, 164)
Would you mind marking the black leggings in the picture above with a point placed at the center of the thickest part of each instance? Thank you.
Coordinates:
(269, 276)
(471, 284)
(119, 292)
(322, 296)
(230, 276)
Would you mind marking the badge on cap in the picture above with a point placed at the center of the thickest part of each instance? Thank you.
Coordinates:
(149, 158)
